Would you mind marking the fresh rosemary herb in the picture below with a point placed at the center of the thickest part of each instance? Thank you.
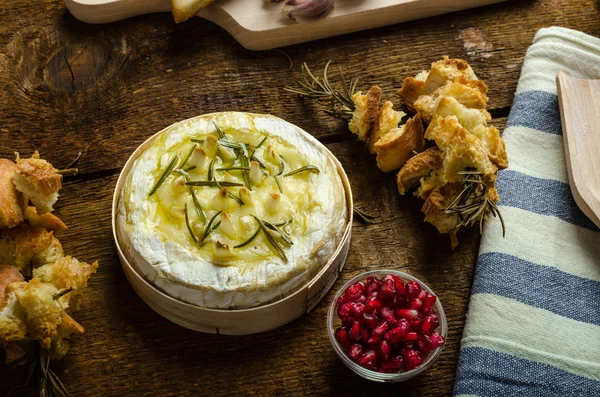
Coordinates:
(211, 168)
(256, 148)
(472, 203)
(235, 198)
(199, 209)
(198, 141)
(281, 165)
(283, 224)
(72, 163)
(339, 102)
(38, 365)
(164, 175)
(364, 216)
(213, 183)
(219, 130)
(284, 236)
(187, 223)
(245, 243)
(246, 164)
(278, 248)
(62, 293)
(234, 169)
(308, 168)
(278, 183)
(188, 169)
(187, 157)
(210, 228)
(232, 145)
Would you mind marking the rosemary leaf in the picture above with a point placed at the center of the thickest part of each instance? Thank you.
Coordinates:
(234, 169)
(281, 165)
(211, 168)
(187, 157)
(236, 198)
(271, 240)
(219, 130)
(258, 146)
(308, 168)
(164, 175)
(198, 141)
(213, 183)
(72, 163)
(209, 228)
(278, 183)
(62, 293)
(244, 159)
(187, 223)
(245, 243)
(284, 236)
(188, 169)
(232, 145)
(199, 209)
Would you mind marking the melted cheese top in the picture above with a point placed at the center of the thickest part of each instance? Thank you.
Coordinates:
(248, 165)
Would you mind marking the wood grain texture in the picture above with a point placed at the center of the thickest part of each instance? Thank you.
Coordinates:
(69, 87)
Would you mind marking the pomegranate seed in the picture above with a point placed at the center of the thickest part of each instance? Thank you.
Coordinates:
(400, 285)
(395, 335)
(388, 315)
(389, 367)
(342, 336)
(369, 359)
(374, 340)
(428, 302)
(385, 350)
(370, 320)
(412, 359)
(381, 329)
(399, 361)
(415, 304)
(434, 340)
(374, 304)
(414, 289)
(355, 351)
(347, 322)
(365, 335)
(435, 320)
(356, 289)
(355, 332)
(422, 294)
(407, 314)
(357, 309)
(345, 310)
(426, 324)
(369, 280)
(373, 286)
(411, 337)
(415, 325)
(388, 290)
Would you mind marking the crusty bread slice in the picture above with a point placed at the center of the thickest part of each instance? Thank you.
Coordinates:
(365, 113)
(387, 119)
(39, 181)
(468, 118)
(26, 245)
(185, 9)
(12, 201)
(419, 166)
(400, 144)
(48, 221)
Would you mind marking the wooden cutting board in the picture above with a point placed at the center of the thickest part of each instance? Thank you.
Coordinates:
(260, 26)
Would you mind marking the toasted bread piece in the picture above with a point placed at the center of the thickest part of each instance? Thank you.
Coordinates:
(11, 200)
(490, 137)
(469, 95)
(365, 113)
(39, 180)
(468, 118)
(387, 119)
(411, 91)
(185, 9)
(60, 343)
(418, 167)
(462, 150)
(439, 199)
(48, 221)
(13, 325)
(26, 245)
(8, 275)
(400, 144)
(444, 70)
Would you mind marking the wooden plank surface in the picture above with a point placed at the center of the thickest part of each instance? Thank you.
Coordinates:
(69, 87)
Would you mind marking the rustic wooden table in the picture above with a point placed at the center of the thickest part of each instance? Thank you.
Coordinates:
(102, 90)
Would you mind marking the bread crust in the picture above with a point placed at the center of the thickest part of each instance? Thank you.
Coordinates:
(48, 221)
(418, 167)
(11, 200)
(400, 144)
(387, 119)
(8, 275)
(365, 113)
(40, 174)
(410, 91)
(26, 245)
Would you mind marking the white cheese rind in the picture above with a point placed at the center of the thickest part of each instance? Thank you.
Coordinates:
(258, 276)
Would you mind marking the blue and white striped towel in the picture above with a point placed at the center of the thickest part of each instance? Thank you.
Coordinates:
(533, 326)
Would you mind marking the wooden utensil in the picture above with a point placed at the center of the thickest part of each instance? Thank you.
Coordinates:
(259, 26)
(579, 101)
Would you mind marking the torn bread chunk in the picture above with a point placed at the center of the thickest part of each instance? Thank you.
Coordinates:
(471, 96)
(12, 201)
(24, 246)
(60, 343)
(12, 318)
(493, 142)
(48, 221)
(400, 144)
(411, 90)
(387, 119)
(365, 113)
(39, 181)
(437, 202)
(418, 167)
(468, 118)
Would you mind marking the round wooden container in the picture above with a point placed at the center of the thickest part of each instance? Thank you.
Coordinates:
(239, 321)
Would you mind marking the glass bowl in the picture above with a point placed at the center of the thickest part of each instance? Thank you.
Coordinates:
(333, 322)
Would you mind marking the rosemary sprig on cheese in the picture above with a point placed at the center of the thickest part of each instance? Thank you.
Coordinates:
(164, 175)
(213, 183)
(308, 168)
(276, 246)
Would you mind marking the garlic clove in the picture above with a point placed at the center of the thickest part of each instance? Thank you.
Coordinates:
(221, 252)
(255, 174)
(177, 212)
(220, 201)
(211, 146)
(226, 154)
(306, 10)
(273, 203)
(246, 196)
(198, 159)
(179, 184)
(227, 225)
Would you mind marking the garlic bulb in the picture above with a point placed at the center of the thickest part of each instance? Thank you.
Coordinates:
(304, 10)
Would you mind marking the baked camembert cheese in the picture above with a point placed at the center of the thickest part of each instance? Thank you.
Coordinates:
(231, 210)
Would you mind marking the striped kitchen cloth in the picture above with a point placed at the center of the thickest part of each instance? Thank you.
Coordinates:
(533, 325)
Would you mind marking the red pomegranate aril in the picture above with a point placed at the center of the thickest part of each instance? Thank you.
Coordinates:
(415, 304)
(345, 310)
(428, 302)
(373, 286)
(355, 332)
(365, 335)
(399, 361)
(342, 336)
(389, 367)
(374, 304)
(369, 359)
(426, 324)
(370, 320)
(373, 341)
(415, 325)
(435, 320)
(400, 285)
(395, 335)
(410, 337)
(408, 314)
(412, 359)
(385, 350)
(434, 340)
(357, 309)
(388, 290)
(387, 314)
(355, 351)
(414, 289)
(380, 330)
